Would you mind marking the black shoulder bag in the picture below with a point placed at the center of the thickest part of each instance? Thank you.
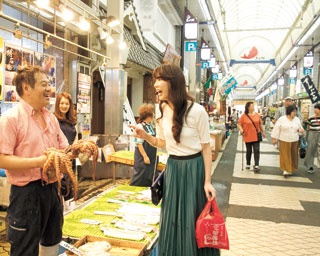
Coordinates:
(157, 186)
(259, 134)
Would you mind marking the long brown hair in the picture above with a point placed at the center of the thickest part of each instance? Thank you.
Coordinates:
(177, 95)
(71, 116)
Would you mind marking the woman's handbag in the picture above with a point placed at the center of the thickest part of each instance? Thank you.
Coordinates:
(211, 230)
(302, 147)
(157, 186)
(157, 189)
(259, 134)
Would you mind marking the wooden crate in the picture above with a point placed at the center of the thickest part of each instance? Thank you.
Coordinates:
(118, 247)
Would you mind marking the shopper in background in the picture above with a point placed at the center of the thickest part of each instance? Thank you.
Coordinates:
(249, 125)
(35, 213)
(145, 155)
(313, 139)
(267, 119)
(183, 128)
(287, 130)
(66, 115)
(282, 110)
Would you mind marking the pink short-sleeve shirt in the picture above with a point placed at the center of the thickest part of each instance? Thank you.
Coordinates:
(22, 135)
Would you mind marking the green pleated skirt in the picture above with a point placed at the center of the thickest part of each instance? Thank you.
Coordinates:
(183, 200)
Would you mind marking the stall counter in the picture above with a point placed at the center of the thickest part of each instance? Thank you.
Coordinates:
(117, 205)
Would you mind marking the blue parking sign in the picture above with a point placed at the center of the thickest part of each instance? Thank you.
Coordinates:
(191, 46)
(215, 76)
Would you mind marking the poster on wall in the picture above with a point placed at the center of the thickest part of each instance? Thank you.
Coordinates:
(15, 59)
(1, 67)
(83, 94)
(48, 64)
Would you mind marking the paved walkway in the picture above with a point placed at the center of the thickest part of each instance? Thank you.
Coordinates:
(267, 214)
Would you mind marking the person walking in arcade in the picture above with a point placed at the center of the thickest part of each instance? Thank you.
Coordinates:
(249, 125)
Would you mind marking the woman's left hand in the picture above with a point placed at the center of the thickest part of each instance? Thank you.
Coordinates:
(210, 191)
(138, 132)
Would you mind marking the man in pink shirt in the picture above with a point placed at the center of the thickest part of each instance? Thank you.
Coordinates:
(35, 214)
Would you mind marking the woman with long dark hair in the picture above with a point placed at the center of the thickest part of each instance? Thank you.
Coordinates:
(183, 128)
(66, 115)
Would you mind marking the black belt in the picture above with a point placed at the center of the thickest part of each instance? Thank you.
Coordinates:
(185, 157)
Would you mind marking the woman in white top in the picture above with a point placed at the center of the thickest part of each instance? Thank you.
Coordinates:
(287, 130)
(183, 128)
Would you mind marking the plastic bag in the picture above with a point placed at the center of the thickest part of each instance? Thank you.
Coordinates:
(211, 229)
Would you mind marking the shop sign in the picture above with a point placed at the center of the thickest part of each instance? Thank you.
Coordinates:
(293, 71)
(205, 64)
(215, 77)
(191, 46)
(311, 89)
(307, 71)
(292, 81)
(205, 51)
(190, 26)
(308, 60)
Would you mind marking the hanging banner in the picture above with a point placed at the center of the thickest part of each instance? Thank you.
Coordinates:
(205, 51)
(228, 86)
(190, 26)
(147, 14)
(171, 56)
(308, 60)
(311, 89)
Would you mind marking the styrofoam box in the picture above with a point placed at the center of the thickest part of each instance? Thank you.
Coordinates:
(4, 191)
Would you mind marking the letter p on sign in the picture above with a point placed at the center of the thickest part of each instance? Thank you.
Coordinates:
(191, 46)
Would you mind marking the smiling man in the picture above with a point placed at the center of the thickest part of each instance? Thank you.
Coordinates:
(35, 215)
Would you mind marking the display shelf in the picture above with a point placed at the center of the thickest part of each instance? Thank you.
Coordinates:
(111, 201)
(118, 247)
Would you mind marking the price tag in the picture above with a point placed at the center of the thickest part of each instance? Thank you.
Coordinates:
(70, 248)
(91, 222)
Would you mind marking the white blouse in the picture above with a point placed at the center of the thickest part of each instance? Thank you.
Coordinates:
(195, 131)
(286, 130)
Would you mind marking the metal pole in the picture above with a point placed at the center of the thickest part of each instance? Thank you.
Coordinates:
(242, 153)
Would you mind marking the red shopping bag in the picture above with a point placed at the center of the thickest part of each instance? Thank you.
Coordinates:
(210, 228)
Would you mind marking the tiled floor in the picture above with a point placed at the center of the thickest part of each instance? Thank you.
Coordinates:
(267, 214)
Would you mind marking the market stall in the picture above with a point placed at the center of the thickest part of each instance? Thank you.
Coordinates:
(127, 157)
(122, 215)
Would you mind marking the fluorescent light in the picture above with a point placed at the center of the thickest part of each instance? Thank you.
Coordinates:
(42, 3)
(84, 24)
(123, 45)
(66, 13)
(205, 10)
(109, 40)
(310, 31)
(293, 50)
